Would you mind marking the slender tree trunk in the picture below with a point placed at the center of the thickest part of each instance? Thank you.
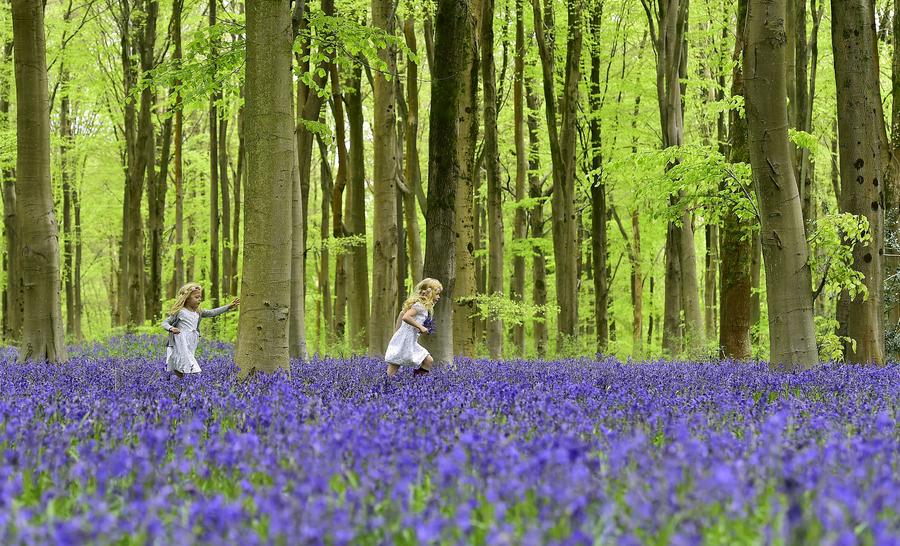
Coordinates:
(784, 248)
(12, 297)
(412, 171)
(79, 307)
(598, 195)
(225, 192)
(384, 274)
(536, 224)
(520, 226)
(562, 148)
(860, 119)
(272, 176)
(65, 143)
(358, 261)
(892, 184)
(178, 278)
(156, 198)
(492, 167)
(709, 289)
(328, 192)
(455, 31)
(238, 180)
(335, 194)
(735, 311)
(214, 174)
(42, 331)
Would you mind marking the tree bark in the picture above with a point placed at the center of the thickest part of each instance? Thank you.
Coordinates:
(562, 148)
(492, 168)
(358, 262)
(12, 297)
(271, 176)
(735, 309)
(784, 248)
(598, 196)
(536, 223)
(238, 181)
(42, 328)
(178, 279)
(384, 274)
(156, 199)
(324, 257)
(860, 126)
(225, 192)
(412, 170)
(455, 30)
(520, 223)
(466, 120)
(216, 97)
(335, 194)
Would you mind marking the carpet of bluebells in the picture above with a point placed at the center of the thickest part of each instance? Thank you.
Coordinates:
(108, 450)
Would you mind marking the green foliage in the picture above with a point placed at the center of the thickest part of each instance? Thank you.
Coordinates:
(831, 346)
(342, 245)
(831, 243)
(510, 311)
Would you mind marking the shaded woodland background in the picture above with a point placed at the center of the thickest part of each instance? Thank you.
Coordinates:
(604, 197)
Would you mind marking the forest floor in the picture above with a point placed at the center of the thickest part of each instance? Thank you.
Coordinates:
(108, 449)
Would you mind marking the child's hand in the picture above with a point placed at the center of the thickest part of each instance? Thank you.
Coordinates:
(175, 330)
(423, 330)
(234, 303)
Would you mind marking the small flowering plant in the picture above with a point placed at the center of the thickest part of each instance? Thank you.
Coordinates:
(428, 323)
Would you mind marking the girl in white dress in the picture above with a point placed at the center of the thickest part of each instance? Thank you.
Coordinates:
(183, 325)
(404, 348)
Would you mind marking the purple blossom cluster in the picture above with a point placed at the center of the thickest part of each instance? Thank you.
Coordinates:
(107, 449)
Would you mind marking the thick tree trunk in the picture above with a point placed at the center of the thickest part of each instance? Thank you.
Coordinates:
(42, 329)
(785, 252)
(464, 290)
(262, 342)
(672, 330)
(492, 168)
(455, 24)
(892, 184)
(710, 294)
(214, 290)
(860, 122)
(536, 223)
(358, 262)
(384, 274)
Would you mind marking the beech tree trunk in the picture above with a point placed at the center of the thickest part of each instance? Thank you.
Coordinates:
(860, 119)
(598, 196)
(262, 342)
(225, 193)
(783, 237)
(492, 168)
(520, 225)
(562, 152)
(536, 224)
(156, 198)
(214, 291)
(335, 194)
(42, 328)
(326, 315)
(238, 181)
(178, 278)
(892, 184)
(737, 234)
(466, 119)
(384, 274)
(412, 171)
(455, 31)
(358, 262)
(12, 297)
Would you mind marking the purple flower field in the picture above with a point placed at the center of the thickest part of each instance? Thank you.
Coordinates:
(107, 450)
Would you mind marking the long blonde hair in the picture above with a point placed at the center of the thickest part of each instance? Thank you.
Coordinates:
(183, 294)
(424, 293)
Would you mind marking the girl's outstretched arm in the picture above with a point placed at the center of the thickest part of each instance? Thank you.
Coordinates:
(206, 313)
(168, 324)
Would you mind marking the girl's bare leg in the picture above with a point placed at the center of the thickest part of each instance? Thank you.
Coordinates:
(392, 369)
(425, 367)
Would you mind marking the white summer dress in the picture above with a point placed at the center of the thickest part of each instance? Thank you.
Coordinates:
(181, 347)
(404, 348)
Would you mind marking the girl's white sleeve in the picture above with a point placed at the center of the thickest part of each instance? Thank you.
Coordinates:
(169, 322)
(206, 313)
